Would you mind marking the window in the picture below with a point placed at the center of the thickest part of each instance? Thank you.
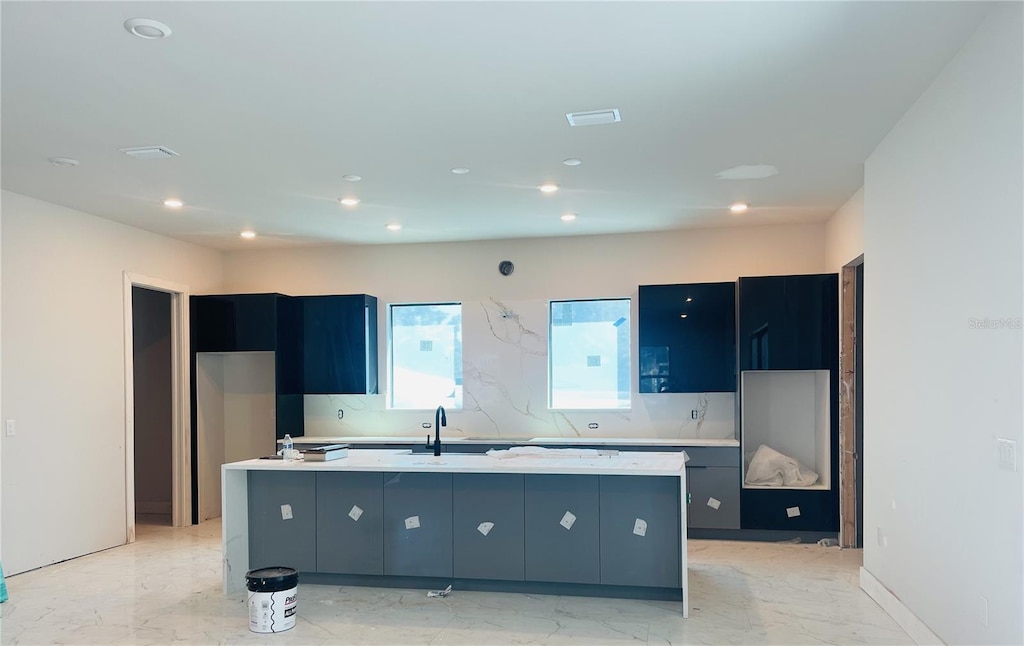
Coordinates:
(588, 354)
(425, 356)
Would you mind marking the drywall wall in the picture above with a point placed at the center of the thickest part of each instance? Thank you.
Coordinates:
(151, 341)
(844, 233)
(572, 267)
(63, 367)
(943, 356)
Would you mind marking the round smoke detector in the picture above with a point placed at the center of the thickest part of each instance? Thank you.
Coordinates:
(505, 267)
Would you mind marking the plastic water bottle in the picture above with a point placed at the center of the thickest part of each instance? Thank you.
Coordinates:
(287, 448)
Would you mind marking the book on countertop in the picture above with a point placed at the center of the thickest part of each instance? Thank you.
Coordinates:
(324, 453)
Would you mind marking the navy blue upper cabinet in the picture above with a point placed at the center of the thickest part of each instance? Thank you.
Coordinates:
(789, 322)
(688, 338)
(234, 322)
(339, 344)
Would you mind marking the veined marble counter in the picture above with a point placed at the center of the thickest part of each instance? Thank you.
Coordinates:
(624, 463)
(568, 441)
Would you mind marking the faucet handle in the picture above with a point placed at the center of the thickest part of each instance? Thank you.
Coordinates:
(429, 446)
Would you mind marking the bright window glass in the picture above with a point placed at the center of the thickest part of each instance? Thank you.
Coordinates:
(588, 354)
(425, 356)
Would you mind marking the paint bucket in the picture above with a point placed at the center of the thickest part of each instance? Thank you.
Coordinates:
(273, 594)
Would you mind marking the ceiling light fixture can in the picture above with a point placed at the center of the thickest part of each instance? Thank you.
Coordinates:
(548, 187)
(572, 161)
(568, 217)
(173, 203)
(393, 227)
(351, 178)
(460, 170)
(248, 235)
(147, 28)
(63, 162)
(739, 207)
(349, 201)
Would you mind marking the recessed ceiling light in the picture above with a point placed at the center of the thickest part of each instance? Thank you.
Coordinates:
(682, 316)
(739, 207)
(572, 161)
(568, 217)
(548, 187)
(65, 162)
(348, 201)
(248, 235)
(173, 203)
(393, 227)
(460, 170)
(146, 28)
(351, 178)
(689, 300)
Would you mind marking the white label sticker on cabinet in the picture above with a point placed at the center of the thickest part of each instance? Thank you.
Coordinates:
(286, 512)
(714, 503)
(640, 527)
(485, 527)
(792, 512)
(412, 522)
(567, 520)
(355, 512)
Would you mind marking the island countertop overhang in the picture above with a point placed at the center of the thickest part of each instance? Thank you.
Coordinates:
(391, 460)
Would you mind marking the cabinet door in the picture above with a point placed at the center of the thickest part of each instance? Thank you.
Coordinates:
(789, 322)
(282, 520)
(688, 338)
(790, 509)
(350, 523)
(340, 341)
(714, 497)
(562, 528)
(418, 524)
(489, 527)
(640, 531)
(234, 323)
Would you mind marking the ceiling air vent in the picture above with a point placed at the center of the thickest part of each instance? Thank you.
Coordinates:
(149, 152)
(593, 118)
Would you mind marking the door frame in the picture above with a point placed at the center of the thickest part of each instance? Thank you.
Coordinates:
(181, 441)
(848, 396)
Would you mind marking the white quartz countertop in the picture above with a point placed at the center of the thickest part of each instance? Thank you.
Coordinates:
(568, 441)
(624, 463)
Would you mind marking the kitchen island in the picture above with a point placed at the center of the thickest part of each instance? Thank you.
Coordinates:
(582, 522)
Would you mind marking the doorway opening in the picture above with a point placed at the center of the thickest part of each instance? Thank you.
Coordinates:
(851, 406)
(157, 442)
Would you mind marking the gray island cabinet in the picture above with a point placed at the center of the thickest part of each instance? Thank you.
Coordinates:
(591, 525)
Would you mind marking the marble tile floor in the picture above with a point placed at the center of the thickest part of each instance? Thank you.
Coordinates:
(166, 588)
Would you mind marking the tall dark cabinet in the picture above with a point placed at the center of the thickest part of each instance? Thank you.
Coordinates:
(789, 396)
(688, 338)
(254, 323)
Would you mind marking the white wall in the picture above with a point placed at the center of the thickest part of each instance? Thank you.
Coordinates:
(584, 267)
(63, 360)
(844, 233)
(943, 243)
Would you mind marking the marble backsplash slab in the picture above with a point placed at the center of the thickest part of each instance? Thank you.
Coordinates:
(505, 367)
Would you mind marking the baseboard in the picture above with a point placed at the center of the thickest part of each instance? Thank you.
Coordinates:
(153, 507)
(901, 614)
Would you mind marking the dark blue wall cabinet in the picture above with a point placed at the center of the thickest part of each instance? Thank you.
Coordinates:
(789, 322)
(688, 338)
(339, 344)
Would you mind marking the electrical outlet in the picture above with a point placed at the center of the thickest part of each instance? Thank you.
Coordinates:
(984, 612)
(1007, 454)
(10, 427)
(882, 540)
(693, 414)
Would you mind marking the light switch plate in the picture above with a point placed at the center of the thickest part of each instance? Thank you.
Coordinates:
(1007, 454)
(10, 427)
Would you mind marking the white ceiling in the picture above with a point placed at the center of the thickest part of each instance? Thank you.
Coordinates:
(269, 104)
